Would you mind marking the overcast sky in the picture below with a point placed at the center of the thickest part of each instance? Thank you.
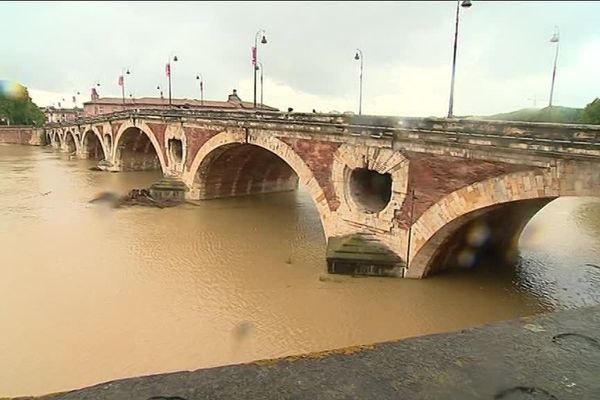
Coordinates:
(504, 54)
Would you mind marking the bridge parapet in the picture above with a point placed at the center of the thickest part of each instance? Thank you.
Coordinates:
(555, 140)
(354, 123)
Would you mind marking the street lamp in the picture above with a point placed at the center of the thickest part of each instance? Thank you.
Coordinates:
(168, 71)
(359, 56)
(261, 84)
(75, 98)
(122, 82)
(465, 4)
(255, 56)
(200, 78)
(555, 39)
(160, 91)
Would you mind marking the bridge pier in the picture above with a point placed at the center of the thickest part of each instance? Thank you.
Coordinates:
(170, 189)
(362, 254)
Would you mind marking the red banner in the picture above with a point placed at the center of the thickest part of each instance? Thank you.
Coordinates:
(254, 56)
(121, 80)
(168, 69)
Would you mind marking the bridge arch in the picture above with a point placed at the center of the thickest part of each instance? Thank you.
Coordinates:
(488, 217)
(71, 144)
(135, 147)
(232, 163)
(56, 139)
(92, 145)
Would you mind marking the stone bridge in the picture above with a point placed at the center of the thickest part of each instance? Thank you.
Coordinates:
(396, 196)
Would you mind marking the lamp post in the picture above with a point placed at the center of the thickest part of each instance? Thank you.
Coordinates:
(122, 83)
(555, 39)
(168, 71)
(255, 56)
(410, 224)
(261, 84)
(200, 78)
(465, 4)
(359, 56)
(77, 93)
(160, 91)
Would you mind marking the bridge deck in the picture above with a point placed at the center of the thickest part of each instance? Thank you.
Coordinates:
(548, 139)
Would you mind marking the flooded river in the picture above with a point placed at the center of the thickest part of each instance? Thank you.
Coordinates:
(89, 294)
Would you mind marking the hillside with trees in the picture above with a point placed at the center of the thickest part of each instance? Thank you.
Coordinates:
(16, 106)
(558, 114)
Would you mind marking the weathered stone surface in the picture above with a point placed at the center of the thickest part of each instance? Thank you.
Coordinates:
(361, 254)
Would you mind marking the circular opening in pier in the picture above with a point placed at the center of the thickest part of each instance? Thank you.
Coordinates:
(370, 189)
(176, 150)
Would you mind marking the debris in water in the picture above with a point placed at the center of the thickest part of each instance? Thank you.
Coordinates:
(139, 197)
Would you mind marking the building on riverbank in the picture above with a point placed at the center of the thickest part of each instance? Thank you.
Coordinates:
(106, 105)
(57, 115)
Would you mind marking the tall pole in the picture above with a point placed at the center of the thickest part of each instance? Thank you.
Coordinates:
(123, 85)
(465, 4)
(410, 223)
(170, 72)
(169, 81)
(555, 39)
(261, 84)
(255, 57)
(200, 78)
(359, 56)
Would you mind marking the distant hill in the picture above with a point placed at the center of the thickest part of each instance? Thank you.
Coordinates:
(559, 114)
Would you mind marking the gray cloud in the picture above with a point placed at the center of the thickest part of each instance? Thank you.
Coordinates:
(63, 47)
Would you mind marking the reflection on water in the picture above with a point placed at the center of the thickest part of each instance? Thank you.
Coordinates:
(89, 294)
(560, 251)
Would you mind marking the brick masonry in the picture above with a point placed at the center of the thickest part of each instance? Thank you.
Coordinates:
(318, 156)
(494, 171)
(20, 135)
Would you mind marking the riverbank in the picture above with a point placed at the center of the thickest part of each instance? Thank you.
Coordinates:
(20, 134)
(551, 356)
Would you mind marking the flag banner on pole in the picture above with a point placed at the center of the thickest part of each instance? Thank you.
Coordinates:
(201, 85)
(168, 69)
(121, 80)
(254, 56)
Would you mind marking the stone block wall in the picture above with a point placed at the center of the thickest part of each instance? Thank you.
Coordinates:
(21, 135)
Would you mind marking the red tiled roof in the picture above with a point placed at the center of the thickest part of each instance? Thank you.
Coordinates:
(191, 103)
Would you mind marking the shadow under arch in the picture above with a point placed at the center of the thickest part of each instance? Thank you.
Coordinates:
(230, 164)
(56, 140)
(240, 169)
(70, 143)
(92, 146)
(490, 233)
(137, 150)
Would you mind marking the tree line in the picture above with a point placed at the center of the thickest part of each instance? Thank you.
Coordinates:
(16, 106)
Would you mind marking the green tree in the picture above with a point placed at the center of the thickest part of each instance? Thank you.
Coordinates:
(591, 113)
(16, 106)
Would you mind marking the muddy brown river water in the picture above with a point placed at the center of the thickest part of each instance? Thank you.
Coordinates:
(90, 294)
